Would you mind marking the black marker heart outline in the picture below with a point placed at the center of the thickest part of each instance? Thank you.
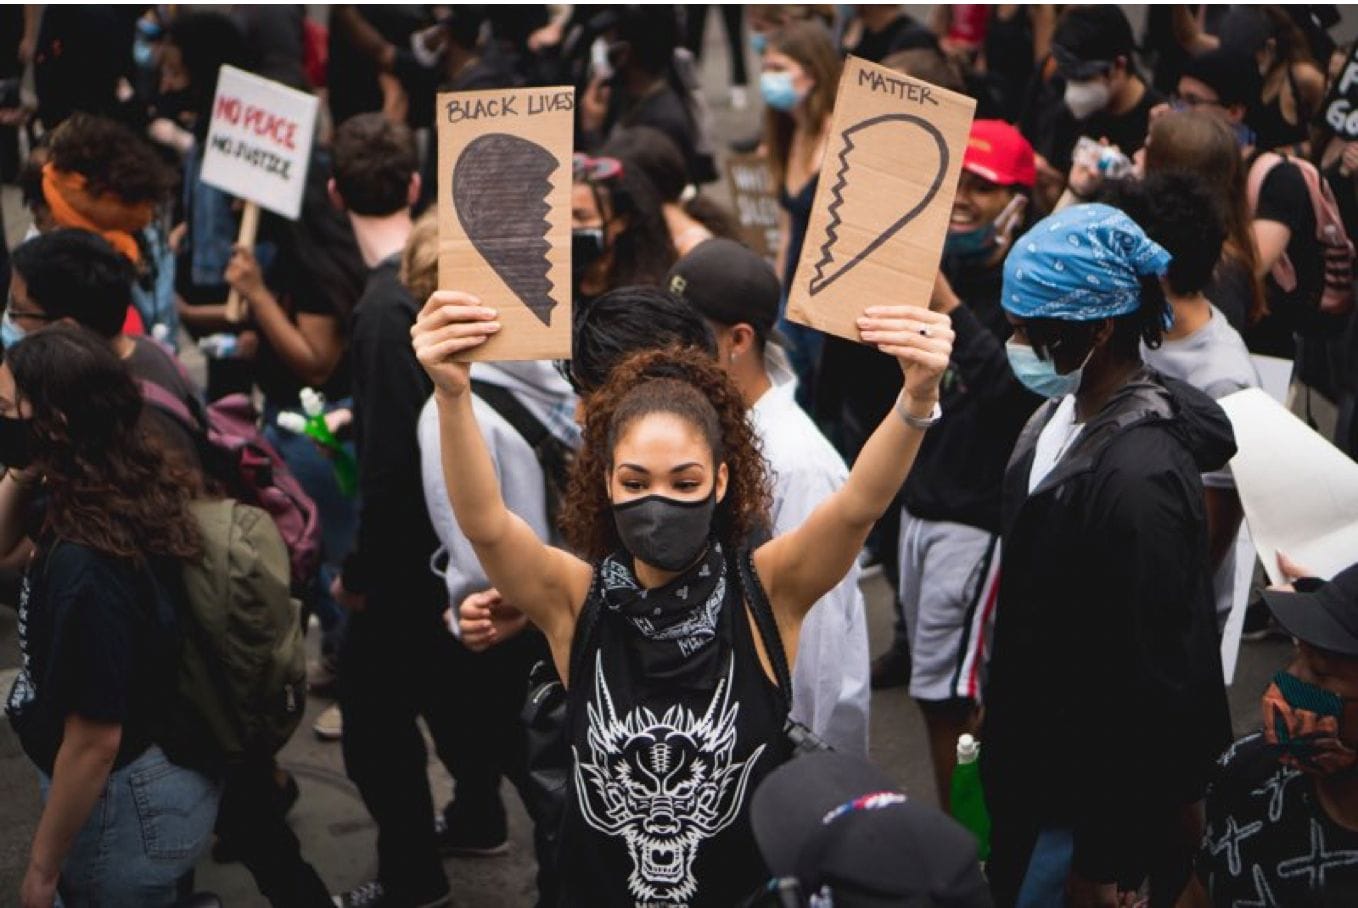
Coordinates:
(819, 280)
(500, 188)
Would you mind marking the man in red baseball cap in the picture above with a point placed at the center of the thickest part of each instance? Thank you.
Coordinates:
(950, 522)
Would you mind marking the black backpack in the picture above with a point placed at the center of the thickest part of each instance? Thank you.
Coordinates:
(553, 454)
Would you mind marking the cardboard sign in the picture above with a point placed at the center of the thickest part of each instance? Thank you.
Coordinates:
(1299, 492)
(755, 198)
(504, 213)
(259, 141)
(1341, 104)
(884, 198)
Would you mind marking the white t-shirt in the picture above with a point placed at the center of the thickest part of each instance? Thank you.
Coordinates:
(1057, 437)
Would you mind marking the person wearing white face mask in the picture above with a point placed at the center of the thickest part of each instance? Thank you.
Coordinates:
(1105, 619)
(1103, 95)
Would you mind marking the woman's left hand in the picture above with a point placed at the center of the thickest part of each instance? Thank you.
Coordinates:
(39, 889)
(243, 273)
(920, 340)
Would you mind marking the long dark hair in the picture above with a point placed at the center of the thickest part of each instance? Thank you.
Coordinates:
(810, 44)
(663, 164)
(108, 487)
(643, 252)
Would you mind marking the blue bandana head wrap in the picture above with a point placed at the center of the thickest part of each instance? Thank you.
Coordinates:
(1082, 264)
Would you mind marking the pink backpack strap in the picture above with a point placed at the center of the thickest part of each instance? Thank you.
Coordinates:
(1283, 272)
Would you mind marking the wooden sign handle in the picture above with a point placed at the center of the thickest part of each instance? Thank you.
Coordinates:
(249, 227)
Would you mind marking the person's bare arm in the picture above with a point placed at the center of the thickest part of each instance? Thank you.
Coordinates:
(799, 567)
(84, 761)
(1270, 239)
(311, 347)
(16, 487)
(546, 583)
(1190, 34)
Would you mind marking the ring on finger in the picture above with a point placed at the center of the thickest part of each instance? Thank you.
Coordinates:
(924, 332)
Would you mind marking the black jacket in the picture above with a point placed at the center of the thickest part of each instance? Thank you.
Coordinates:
(958, 472)
(390, 559)
(1105, 704)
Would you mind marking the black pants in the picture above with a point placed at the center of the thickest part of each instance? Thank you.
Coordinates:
(733, 17)
(488, 699)
(395, 668)
(251, 818)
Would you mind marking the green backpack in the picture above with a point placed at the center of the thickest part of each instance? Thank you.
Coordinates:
(240, 669)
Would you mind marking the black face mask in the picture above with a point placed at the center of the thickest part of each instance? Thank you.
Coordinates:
(587, 247)
(16, 442)
(663, 532)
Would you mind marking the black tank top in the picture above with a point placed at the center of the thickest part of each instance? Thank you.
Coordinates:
(657, 809)
(1271, 129)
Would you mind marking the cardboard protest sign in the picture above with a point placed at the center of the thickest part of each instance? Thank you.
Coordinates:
(754, 195)
(504, 213)
(1341, 104)
(259, 141)
(884, 198)
(1299, 492)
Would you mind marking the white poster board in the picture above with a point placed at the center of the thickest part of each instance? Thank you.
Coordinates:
(1299, 492)
(259, 141)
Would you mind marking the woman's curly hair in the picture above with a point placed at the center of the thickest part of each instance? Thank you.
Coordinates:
(112, 158)
(688, 384)
(108, 487)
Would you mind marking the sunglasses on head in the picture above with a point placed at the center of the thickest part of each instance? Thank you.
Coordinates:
(595, 169)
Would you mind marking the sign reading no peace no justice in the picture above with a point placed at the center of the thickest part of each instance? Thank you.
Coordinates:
(259, 141)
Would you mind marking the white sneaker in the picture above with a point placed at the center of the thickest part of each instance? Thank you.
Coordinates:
(739, 100)
(329, 725)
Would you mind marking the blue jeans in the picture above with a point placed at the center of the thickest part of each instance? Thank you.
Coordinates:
(147, 830)
(1044, 885)
(339, 514)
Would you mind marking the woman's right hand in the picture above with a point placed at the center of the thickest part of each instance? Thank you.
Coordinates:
(451, 322)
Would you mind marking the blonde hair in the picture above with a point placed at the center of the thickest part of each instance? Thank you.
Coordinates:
(420, 259)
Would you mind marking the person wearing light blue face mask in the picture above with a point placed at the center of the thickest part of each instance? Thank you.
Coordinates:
(1105, 618)
(801, 68)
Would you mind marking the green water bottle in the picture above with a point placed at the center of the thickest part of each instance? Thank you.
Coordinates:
(968, 801)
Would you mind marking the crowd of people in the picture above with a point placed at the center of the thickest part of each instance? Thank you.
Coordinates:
(629, 582)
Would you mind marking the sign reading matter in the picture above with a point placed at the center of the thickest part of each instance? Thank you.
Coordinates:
(1341, 106)
(259, 141)
(884, 198)
(504, 210)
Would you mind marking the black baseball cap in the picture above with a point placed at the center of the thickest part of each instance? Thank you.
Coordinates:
(1089, 38)
(832, 820)
(729, 284)
(1229, 73)
(1323, 614)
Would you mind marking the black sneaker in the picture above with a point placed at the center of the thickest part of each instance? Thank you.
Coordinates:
(470, 840)
(372, 895)
(892, 668)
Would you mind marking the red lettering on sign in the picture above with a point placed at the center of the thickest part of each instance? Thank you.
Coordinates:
(259, 121)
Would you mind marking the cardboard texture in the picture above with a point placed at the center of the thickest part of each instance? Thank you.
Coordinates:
(1299, 492)
(884, 198)
(754, 195)
(1341, 103)
(259, 141)
(504, 213)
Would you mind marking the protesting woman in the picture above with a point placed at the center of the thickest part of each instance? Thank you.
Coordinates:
(120, 823)
(676, 715)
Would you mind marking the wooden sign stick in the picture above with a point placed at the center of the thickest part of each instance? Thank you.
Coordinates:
(249, 227)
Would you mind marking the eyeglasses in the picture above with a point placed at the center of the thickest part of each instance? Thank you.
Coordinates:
(35, 315)
(1190, 102)
(595, 169)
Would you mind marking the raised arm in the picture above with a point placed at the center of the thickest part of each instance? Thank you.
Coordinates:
(547, 584)
(802, 565)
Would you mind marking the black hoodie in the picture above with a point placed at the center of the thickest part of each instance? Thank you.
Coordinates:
(1105, 704)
